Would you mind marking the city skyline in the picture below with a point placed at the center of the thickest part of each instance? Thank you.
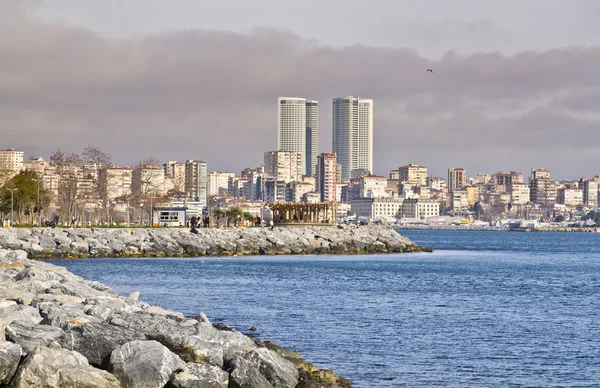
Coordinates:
(485, 107)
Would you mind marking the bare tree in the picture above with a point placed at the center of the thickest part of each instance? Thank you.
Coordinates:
(68, 169)
(92, 155)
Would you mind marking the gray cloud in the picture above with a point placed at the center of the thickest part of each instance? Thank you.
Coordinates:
(212, 94)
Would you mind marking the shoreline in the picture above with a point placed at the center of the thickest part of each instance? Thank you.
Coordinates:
(59, 329)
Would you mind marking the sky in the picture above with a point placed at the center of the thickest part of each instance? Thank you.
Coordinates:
(516, 83)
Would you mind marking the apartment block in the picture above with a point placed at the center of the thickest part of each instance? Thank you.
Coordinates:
(11, 160)
(569, 197)
(413, 175)
(285, 166)
(419, 208)
(373, 186)
(327, 176)
(376, 208)
(457, 178)
(218, 182)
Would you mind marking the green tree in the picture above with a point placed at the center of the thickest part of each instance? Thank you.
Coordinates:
(28, 200)
(233, 214)
(477, 209)
(559, 218)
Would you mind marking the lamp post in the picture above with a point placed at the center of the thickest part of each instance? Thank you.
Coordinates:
(12, 206)
(141, 214)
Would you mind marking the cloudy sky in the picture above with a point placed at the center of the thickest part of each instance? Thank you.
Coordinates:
(516, 82)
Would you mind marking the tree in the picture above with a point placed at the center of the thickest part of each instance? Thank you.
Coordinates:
(559, 218)
(92, 155)
(233, 214)
(68, 168)
(477, 209)
(28, 200)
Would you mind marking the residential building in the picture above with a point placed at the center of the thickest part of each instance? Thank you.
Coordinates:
(519, 194)
(472, 195)
(413, 174)
(327, 176)
(284, 165)
(503, 180)
(569, 197)
(11, 160)
(373, 186)
(419, 208)
(353, 134)
(436, 183)
(298, 130)
(376, 208)
(590, 192)
(542, 187)
(150, 181)
(459, 201)
(394, 175)
(176, 172)
(457, 178)
(218, 182)
(36, 164)
(196, 181)
(114, 182)
(298, 189)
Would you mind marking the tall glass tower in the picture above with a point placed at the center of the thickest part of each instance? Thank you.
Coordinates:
(352, 131)
(298, 130)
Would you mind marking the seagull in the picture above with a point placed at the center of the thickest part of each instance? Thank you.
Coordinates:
(429, 70)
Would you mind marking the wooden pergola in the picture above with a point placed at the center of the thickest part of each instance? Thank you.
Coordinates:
(304, 213)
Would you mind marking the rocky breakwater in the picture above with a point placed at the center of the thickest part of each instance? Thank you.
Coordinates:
(44, 243)
(60, 330)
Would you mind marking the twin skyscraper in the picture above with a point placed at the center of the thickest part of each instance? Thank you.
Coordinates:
(352, 132)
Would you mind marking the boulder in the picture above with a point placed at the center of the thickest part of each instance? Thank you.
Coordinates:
(201, 376)
(279, 372)
(46, 368)
(30, 335)
(144, 364)
(16, 312)
(10, 355)
(96, 341)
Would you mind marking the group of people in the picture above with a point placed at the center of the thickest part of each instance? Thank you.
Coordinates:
(194, 221)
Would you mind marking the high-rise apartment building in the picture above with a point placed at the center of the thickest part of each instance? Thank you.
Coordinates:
(298, 130)
(353, 134)
(218, 182)
(457, 178)
(542, 188)
(196, 184)
(327, 176)
(284, 165)
(590, 192)
(11, 160)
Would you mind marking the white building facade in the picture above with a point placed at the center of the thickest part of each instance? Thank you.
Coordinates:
(298, 130)
(353, 134)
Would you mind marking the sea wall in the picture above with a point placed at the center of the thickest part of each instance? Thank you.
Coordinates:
(45, 243)
(60, 330)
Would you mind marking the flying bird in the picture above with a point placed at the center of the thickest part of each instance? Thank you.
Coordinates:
(429, 70)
